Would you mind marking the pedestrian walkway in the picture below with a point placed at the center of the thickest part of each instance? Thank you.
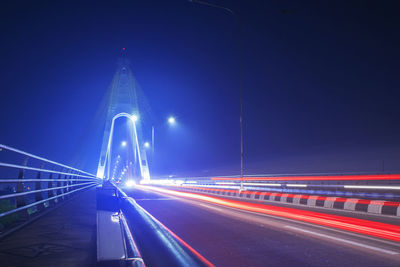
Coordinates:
(63, 237)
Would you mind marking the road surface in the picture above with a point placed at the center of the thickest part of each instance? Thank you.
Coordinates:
(231, 237)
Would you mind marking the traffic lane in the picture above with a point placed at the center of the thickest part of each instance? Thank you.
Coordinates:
(390, 219)
(341, 212)
(253, 242)
(363, 227)
(227, 239)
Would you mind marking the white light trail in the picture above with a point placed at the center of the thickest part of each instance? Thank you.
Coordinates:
(262, 184)
(296, 185)
(391, 252)
(372, 187)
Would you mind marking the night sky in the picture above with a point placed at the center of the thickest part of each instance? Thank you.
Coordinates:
(321, 82)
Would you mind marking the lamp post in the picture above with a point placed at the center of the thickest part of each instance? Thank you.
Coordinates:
(239, 40)
(152, 142)
(171, 121)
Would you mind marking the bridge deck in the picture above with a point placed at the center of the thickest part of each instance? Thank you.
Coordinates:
(64, 237)
(232, 237)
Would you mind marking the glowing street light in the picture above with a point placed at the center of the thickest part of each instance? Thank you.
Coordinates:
(147, 145)
(134, 118)
(171, 120)
(123, 143)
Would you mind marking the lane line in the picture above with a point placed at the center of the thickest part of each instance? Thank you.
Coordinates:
(210, 207)
(140, 199)
(390, 252)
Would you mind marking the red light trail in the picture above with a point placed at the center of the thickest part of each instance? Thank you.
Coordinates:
(337, 199)
(375, 177)
(371, 228)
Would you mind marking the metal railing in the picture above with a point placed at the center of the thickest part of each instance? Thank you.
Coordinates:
(112, 228)
(158, 245)
(29, 189)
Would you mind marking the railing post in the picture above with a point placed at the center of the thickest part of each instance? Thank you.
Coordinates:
(71, 179)
(38, 195)
(71, 182)
(59, 191)
(67, 189)
(50, 193)
(20, 201)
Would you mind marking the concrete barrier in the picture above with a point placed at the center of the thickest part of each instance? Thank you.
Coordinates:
(351, 204)
(376, 206)
(329, 202)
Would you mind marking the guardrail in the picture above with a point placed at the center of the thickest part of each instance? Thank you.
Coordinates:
(31, 185)
(115, 244)
(158, 245)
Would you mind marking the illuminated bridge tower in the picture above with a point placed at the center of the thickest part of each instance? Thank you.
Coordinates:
(123, 99)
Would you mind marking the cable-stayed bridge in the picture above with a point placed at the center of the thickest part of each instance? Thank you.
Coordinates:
(53, 214)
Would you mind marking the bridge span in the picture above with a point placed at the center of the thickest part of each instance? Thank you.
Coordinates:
(53, 214)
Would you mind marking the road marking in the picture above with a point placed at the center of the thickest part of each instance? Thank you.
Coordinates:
(140, 199)
(210, 207)
(391, 252)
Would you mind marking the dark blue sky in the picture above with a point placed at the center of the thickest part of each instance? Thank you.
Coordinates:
(321, 81)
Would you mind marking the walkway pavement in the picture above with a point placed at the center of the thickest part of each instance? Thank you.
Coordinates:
(63, 237)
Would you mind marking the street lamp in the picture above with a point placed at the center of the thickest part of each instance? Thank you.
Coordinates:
(239, 40)
(171, 120)
(134, 118)
(146, 144)
(123, 143)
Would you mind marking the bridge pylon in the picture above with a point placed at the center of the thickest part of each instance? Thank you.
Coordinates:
(123, 102)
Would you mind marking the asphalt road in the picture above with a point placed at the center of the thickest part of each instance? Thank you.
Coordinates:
(230, 237)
